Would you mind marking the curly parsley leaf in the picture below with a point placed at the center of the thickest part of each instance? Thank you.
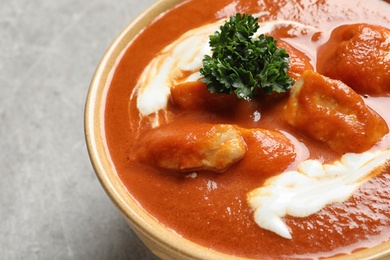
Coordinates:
(244, 64)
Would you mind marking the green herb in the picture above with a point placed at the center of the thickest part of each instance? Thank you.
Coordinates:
(244, 64)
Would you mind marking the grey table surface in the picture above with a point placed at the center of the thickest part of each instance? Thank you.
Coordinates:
(51, 203)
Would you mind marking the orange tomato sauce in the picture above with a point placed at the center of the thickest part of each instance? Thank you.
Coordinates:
(211, 209)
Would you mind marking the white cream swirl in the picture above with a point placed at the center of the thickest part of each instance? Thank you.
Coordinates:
(313, 186)
(180, 62)
(169, 67)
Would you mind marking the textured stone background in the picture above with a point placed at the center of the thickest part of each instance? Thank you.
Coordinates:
(51, 204)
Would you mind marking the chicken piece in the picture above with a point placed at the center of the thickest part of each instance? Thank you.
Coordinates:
(358, 55)
(330, 111)
(299, 62)
(195, 96)
(269, 152)
(188, 147)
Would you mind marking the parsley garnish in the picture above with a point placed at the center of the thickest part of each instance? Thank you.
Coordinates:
(244, 64)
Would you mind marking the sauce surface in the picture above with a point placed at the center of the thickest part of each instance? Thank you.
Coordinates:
(210, 208)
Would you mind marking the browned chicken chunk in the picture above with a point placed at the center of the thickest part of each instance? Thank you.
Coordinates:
(330, 111)
(358, 55)
(196, 96)
(182, 147)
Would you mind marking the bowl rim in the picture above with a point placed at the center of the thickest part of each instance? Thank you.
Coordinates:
(157, 237)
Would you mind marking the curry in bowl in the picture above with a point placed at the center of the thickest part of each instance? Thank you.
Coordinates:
(295, 167)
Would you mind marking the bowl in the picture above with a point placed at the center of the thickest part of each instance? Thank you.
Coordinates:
(162, 241)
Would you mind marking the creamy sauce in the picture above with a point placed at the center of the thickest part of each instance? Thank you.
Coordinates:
(212, 209)
(297, 193)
